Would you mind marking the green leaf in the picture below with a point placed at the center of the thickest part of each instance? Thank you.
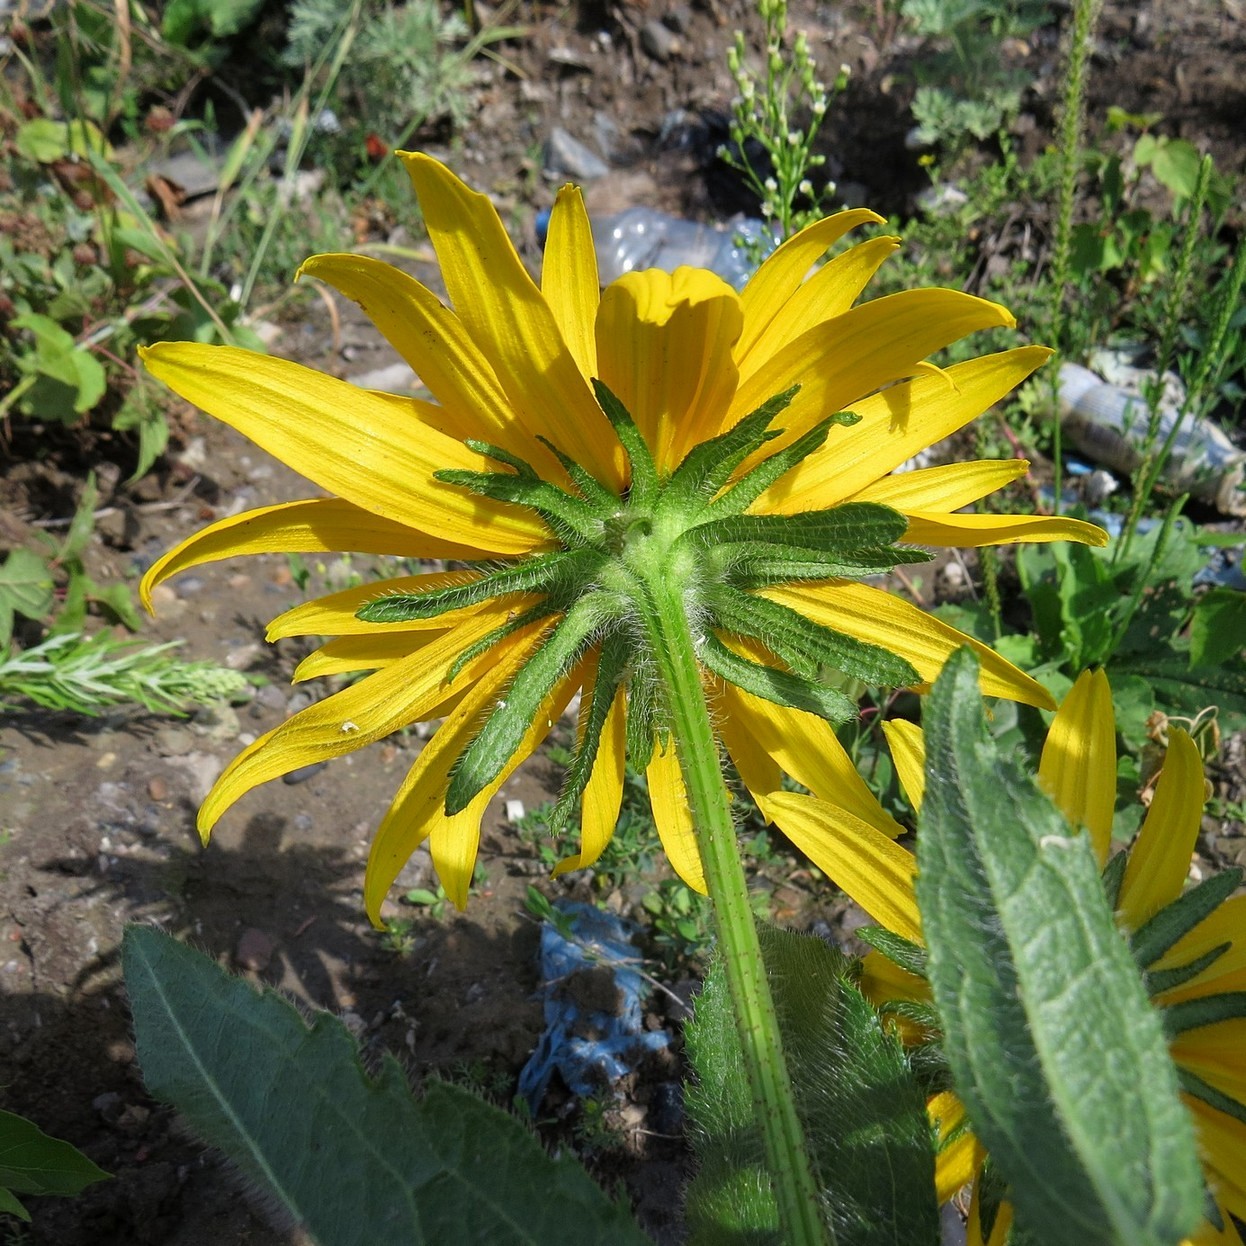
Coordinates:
(33, 1163)
(1175, 165)
(185, 19)
(1218, 628)
(69, 379)
(503, 732)
(791, 636)
(355, 1158)
(863, 1111)
(780, 687)
(644, 473)
(1053, 1045)
(46, 141)
(25, 588)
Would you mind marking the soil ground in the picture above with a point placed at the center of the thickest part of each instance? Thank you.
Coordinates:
(98, 816)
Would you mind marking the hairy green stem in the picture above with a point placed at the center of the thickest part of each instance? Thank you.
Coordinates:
(693, 737)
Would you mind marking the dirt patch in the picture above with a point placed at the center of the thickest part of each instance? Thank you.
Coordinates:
(98, 817)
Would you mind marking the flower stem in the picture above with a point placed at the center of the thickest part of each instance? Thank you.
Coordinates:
(773, 1099)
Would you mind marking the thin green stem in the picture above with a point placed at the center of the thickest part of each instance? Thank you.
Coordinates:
(693, 737)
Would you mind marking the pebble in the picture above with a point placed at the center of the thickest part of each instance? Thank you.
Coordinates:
(240, 658)
(158, 789)
(568, 157)
(254, 950)
(418, 871)
(514, 810)
(303, 773)
(217, 722)
(659, 41)
(189, 585)
(203, 769)
(271, 697)
(173, 742)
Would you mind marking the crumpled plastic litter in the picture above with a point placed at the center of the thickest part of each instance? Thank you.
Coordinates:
(589, 1049)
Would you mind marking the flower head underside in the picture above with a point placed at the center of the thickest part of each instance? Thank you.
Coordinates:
(584, 446)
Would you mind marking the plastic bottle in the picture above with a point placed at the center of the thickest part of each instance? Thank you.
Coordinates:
(642, 237)
(1109, 425)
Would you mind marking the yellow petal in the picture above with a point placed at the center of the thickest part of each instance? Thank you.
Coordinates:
(956, 1157)
(803, 747)
(603, 794)
(830, 292)
(664, 344)
(1003, 1217)
(360, 653)
(908, 751)
(1217, 1054)
(569, 277)
(505, 315)
(419, 803)
(1078, 766)
(874, 870)
(1222, 1139)
(839, 362)
(939, 490)
(1227, 924)
(972, 531)
(1208, 1235)
(883, 619)
(768, 290)
(368, 448)
(882, 981)
(1159, 861)
(369, 710)
(315, 526)
(433, 340)
(895, 425)
(669, 802)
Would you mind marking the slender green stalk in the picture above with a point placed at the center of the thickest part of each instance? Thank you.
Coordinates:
(1071, 120)
(1153, 454)
(787, 1156)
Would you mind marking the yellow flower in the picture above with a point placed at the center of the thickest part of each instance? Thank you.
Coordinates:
(581, 439)
(1199, 981)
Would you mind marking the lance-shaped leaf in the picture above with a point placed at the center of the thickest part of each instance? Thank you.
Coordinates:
(1054, 1047)
(356, 1159)
(546, 573)
(862, 1109)
(793, 637)
(644, 473)
(495, 744)
(569, 516)
(709, 464)
(31, 1162)
(757, 480)
(781, 687)
(836, 532)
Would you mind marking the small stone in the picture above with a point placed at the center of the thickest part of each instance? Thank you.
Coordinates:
(514, 810)
(217, 722)
(158, 789)
(173, 742)
(109, 1106)
(240, 658)
(303, 773)
(354, 1023)
(189, 585)
(254, 950)
(568, 157)
(203, 769)
(104, 760)
(659, 41)
(271, 698)
(417, 872)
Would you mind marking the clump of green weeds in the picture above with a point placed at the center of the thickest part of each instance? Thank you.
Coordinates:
(776, 116)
